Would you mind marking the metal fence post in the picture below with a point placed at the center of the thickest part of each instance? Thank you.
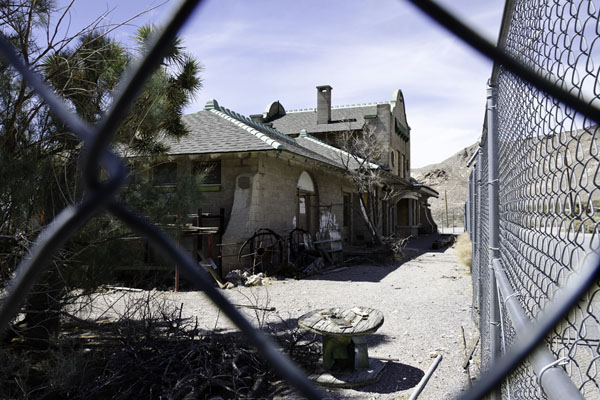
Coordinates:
(494, 227)
(554, 381)
(477, 237)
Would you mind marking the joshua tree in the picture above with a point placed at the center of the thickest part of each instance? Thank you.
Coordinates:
(39, 155)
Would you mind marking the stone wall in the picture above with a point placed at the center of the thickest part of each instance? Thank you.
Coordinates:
(269, 199)
(232, 165)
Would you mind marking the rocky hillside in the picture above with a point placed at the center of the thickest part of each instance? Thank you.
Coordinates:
(450, 178)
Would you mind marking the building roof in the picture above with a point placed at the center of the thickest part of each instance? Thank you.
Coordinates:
(342, 158)
(343, 118)
(217, 129)
(211, 133)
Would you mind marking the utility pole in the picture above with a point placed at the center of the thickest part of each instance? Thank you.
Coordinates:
(446, 199)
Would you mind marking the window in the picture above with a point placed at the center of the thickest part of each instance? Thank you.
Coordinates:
(134, 172)
(211, 172)
(164, 174)
(401, 165)
(393, 158)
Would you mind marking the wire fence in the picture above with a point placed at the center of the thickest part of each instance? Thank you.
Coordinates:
(545, 156)
(547, 184)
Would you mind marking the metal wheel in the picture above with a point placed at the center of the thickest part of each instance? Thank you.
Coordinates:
(262, 252)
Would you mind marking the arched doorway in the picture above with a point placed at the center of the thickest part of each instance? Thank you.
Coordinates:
(308, 203)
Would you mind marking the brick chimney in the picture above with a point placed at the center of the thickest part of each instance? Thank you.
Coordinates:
(324, 104)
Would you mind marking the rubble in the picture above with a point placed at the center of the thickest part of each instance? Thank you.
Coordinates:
(238, 278)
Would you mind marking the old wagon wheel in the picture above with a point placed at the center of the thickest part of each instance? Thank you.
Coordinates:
(300, 242)
(264, 250)
(302, 250)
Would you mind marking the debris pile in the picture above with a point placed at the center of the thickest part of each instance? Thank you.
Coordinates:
(266, 254)
(302, 253)
(315, 267)
(444, 241)
(148, 352)
(238, 277)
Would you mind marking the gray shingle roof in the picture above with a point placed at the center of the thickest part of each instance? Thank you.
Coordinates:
(294, 121)
(340, 157)
(211, 133)
(217, 129)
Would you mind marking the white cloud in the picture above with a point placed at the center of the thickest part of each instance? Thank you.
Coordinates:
(257, 52)
(364, 52)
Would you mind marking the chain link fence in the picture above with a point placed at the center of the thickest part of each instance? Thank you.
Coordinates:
(548, 180)
(548, 196)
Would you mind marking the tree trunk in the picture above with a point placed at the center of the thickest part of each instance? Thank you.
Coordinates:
(42, 319)
(377, 239)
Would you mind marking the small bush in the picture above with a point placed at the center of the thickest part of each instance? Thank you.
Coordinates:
(464, 250)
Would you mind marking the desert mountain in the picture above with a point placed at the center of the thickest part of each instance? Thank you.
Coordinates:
(450, 178)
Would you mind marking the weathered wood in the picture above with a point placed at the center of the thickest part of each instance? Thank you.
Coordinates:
(470, 356)
(256, 307)
(210, 267)
(358, 321)
(344, 345)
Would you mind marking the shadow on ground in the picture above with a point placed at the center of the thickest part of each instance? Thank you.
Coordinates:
(396, 377)
(375, 271)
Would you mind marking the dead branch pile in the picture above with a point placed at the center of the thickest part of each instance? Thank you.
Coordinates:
(397, 244)
(159, 355)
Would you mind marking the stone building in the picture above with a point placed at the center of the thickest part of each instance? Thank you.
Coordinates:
(282, 170)
(409, 212)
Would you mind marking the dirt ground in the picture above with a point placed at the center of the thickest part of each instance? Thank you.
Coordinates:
(426, 303)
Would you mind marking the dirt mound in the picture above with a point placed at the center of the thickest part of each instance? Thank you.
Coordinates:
(435, 177)
(450, 178)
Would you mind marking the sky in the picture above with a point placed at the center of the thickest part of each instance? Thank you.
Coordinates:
(256, 52)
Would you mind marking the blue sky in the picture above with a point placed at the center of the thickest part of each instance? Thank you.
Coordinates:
(255, 52)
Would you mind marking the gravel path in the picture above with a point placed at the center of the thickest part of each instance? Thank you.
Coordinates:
(425, 303)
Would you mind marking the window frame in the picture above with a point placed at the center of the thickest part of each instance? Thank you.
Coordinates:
(214, 178)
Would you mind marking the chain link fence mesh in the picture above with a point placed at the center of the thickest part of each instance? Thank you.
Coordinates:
(549, 190)
(484, 271)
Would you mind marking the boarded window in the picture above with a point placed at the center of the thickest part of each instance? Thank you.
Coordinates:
(302, 205)
(164, 173)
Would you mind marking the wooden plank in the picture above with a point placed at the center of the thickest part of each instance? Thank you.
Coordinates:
(209, 265)
(336, 321)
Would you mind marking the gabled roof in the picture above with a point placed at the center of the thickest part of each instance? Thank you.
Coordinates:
(217, 129)
(341, 157)
(343, 118)
(212, 133)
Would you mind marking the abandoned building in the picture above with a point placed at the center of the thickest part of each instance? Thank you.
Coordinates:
(283, 170)
(330, 125)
